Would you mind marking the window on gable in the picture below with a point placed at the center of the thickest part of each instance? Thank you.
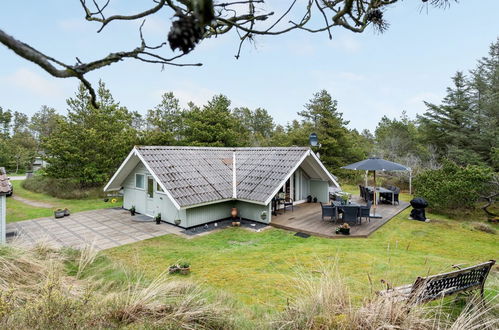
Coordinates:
(139, 181)
(158, 187)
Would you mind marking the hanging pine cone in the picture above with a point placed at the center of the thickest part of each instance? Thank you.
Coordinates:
(185, 32)
(375, 16)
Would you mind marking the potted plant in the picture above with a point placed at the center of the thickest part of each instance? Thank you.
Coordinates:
(309, 199)
(177, 221)
(315, 199)
(175, 268)
(158, 218)
(185, 268)
(343, 229)
(263, 215)
(132, 210)
(233, 212)
(236, 222)
(66, 212)
(59, 213)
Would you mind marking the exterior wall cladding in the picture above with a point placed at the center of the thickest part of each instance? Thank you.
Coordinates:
(161, 204)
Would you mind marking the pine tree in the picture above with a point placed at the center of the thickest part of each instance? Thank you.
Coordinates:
(449, 126)
(165, 121)
(321, 113)
(214, 125)
(89, 144)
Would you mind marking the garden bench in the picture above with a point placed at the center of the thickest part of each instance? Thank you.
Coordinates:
(437, 286)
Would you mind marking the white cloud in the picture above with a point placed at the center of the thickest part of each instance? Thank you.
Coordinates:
(34, 83)
(346, 43)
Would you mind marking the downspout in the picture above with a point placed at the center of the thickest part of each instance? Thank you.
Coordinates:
(410, 181)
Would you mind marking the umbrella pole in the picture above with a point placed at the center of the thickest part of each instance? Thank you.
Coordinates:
(374, 193)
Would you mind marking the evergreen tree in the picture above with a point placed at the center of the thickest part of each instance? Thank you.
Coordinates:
(396, 138)
(88, 145)
(257, 123)
(165, 121)
(336, 149)
(44, 122)
(464, 127)
(214, 125)
(448, 126)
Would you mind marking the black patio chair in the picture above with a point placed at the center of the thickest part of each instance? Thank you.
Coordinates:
(288, 201)
(368, 194)
(361, 191)
(365, 211)
(350, 214)
(387, 197)
(329, 211)
(396, 193)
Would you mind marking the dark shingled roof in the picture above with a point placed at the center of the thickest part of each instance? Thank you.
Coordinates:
(195, 175)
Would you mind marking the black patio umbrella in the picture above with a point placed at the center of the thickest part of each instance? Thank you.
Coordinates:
(376, 164)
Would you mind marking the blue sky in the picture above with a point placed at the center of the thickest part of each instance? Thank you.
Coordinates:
(370, 75)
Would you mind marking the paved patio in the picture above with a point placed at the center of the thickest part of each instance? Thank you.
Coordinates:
(306, 218)
(106, 228)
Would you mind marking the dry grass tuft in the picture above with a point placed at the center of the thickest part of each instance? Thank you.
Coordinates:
(482, 226)
(37, 293)
(323, 302)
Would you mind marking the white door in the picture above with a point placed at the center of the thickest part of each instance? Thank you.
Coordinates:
(150, 197)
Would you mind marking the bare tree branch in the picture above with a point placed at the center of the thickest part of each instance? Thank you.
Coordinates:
(194, 20)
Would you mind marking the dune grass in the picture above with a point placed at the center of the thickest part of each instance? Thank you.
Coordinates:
(17, 210)
(257, 268)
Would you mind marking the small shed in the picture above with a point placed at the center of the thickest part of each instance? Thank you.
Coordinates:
(4, 189)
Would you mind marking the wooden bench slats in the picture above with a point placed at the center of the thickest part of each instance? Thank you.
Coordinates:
(437, 286)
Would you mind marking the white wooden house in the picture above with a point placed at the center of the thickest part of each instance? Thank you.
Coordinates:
(198, 185)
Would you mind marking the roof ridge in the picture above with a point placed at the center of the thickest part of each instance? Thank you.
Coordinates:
(221, 148)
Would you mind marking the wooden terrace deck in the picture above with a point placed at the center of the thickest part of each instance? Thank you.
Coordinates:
(306, 218)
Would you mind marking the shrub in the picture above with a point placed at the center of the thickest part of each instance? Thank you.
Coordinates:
(61, 188)
(452, 186)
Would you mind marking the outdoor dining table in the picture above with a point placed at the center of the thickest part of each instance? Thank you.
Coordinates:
(339, 205)
(384, 191)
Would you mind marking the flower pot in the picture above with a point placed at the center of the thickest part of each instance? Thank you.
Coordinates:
(158, 221)
(177, 221)
(236, 223)
(185, 271)
(345, 231)
(66, 212)
(233, 212)
(59, 214)
(132, 212)
(173, 269)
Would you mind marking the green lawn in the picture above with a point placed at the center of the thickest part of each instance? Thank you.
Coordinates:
(257, 269)
(17, 211)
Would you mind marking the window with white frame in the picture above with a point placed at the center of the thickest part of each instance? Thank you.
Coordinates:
(158, 187)
(139, 181)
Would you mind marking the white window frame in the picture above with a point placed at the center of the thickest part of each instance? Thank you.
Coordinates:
(153, 187)
(143, 181)
(157, 190)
